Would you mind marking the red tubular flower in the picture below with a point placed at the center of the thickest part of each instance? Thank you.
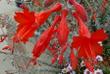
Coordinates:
(42, 16)
(63, 30)
(86, 42)
(61, 58)
(83, 30)
(73, 60)
(44, 39)
(54, 59)
(79, 9)
(25, 20)
(29, 22)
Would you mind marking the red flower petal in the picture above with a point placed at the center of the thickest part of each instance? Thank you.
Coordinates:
(79, 9)
(97, 48)
(83, 29)
(21, 17)
(63, 30)
(82, 53)
(99, 35)
(89, 66)
(54, 59)
(61, 58)
(25, 19)
(73, 60)
(76, 42)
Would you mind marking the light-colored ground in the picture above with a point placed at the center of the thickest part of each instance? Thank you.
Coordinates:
(7, 8)
(5, 61)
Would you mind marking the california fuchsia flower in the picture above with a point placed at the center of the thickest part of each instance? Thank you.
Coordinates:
(44, 39)
(63, 30)
(79, 9)
(30, 21)
(87, 43)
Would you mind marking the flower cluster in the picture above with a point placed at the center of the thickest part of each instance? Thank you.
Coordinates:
(86, 43)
